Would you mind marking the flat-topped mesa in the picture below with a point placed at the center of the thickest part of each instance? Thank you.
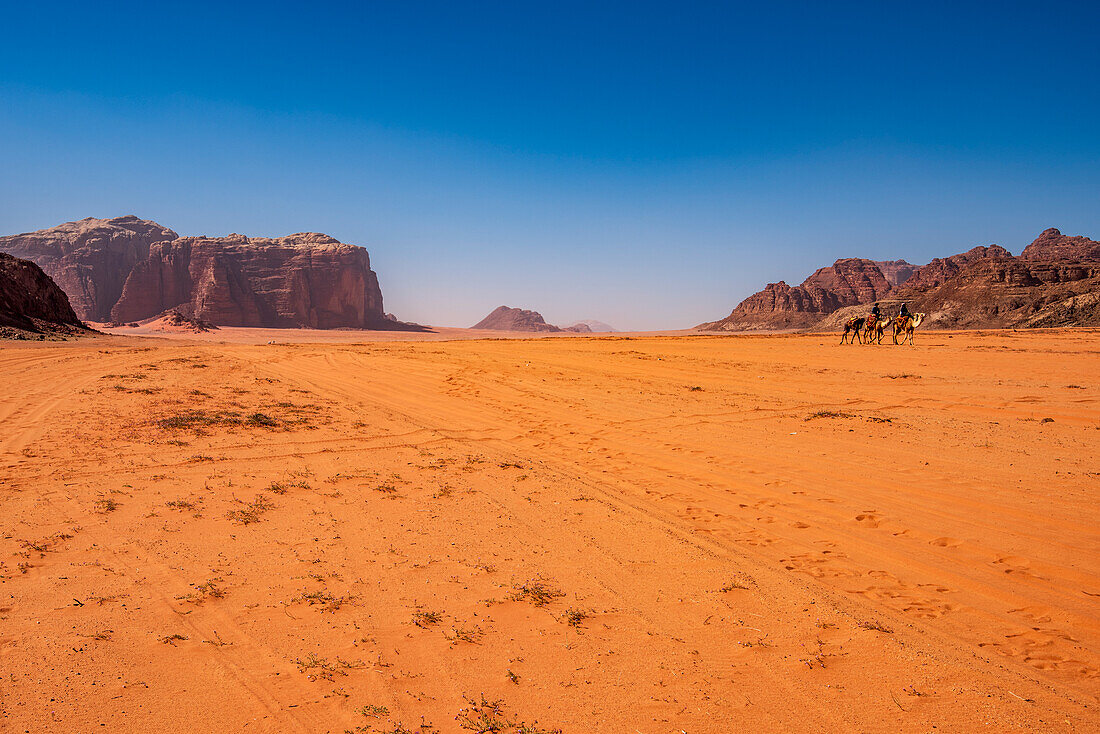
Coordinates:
(848, 282)
(1053, 245)
(303, 280)
(505, 318)
(128, 269)
(30, 300)
(90, 258)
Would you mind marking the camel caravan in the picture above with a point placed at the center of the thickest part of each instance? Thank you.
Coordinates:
(869, 329)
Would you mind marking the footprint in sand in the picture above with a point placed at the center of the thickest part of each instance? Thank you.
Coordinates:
(946, 542)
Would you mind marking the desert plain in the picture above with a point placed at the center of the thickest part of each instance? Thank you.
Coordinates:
(678, 533)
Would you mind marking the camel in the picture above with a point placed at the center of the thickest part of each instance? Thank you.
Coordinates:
(853, 327)
(873, 329)
(906, 326)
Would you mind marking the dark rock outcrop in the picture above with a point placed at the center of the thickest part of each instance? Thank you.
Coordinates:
(850, 281)
(1053, 245)
(505, 318)
(128, 269)
(31, 301)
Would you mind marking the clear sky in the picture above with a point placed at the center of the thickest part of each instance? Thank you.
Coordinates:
(648, 164)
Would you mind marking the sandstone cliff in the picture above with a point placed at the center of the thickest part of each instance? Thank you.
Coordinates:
(850, 281)
(89, 259)
(31, 301)
(303, 280)
(128, 269)
(505, 318)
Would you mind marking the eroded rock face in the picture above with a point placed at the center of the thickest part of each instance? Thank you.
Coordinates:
(127, 269)
(505, 318)
(1053, 245)
(897, 272)
(1055, 282)
(30, 300)
(941, 270)
(303, 280)
(848, 282)
(1003, 291)
(89, 259)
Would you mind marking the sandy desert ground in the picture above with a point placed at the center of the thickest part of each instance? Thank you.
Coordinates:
(597, 534)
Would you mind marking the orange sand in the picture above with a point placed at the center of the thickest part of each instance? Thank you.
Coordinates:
(925, 556)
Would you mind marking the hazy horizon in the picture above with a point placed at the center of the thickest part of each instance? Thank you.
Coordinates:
(644, 165)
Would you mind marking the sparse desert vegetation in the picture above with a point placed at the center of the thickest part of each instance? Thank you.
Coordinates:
(619, 543)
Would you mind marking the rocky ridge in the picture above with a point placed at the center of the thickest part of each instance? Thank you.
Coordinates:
(848, 282)
(1054, 282)
(128, 269)
(30, 302)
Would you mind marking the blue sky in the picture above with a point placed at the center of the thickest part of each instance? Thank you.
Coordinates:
(646, 164)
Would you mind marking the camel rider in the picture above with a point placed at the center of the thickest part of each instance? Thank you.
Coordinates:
(904, 314)
(875, 313)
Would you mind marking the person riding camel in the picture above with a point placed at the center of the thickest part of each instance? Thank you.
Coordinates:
(903, 314)
(876, 314)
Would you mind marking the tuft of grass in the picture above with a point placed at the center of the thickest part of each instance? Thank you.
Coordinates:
(106, 505)
(734, 584)
(172, 639)
(426, 619)
(829, 414)
(317, 667)
(375, 711)
(325, 599)
(538, 591)
(386, 489)
(486, 716)
(695, 388)
(180, 505)
(512, 676)
(904, 376)
(251, 512)
(574, 617)
(877, 626)
(464, 634)
(262, 419)
(204, 591)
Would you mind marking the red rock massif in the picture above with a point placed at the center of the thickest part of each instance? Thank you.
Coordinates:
(129, 269)
(505, 318)
(31, 302)
(850, 281)
(1054, 282)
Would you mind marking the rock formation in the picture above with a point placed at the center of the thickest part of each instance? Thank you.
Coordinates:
(1054, 282)
(31, 302)
(505, 318)
(128, 269)
(89, 259)
(594, 325)
(848, 282)
(578, 328)
(896, 272)
(1053, 245)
